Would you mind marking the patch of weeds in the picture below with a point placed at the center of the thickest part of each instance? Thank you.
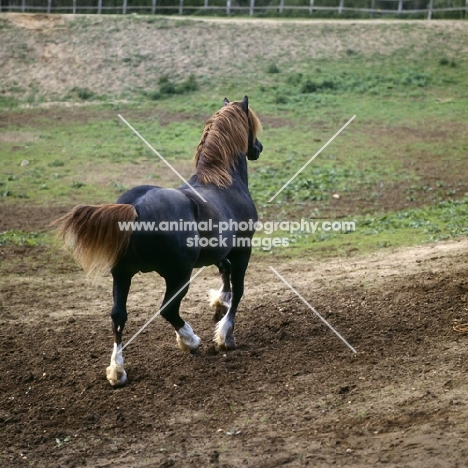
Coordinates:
(61, 442)
(32, 97)
(84, 93)
(20, 238)
(4, 24)
(281, 99)
(315, 184)
(187, 86)
(56, 163)
(119, 187)
(384, 244)
(309, 87)
(412, 78)
(446, 218)
(78, 185)
(370, 81)
(168, 88)
(154, 95)
(7, 101)
(445, 61)
(273, 68)
(294, 79)
(16, 89)
(158, 23)
(36, 173)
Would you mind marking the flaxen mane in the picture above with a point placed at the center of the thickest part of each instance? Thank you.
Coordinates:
(224, 137)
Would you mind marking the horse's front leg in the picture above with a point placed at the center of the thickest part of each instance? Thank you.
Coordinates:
(224, 332)
(115, 373)
(176, 289)
(221, 300)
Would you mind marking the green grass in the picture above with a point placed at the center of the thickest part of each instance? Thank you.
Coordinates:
(443, 221)
(19, 238)
(61, 160)
(408, 139)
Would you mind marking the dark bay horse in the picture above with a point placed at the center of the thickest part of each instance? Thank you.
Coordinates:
(212, 212)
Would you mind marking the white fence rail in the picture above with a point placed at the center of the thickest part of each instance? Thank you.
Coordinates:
(370, 8)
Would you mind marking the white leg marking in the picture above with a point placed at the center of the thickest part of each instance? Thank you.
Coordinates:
(115, 373)
(220, 298)
(223, 331)
(186, 338)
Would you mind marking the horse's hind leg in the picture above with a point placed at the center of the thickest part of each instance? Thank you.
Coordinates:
(221, 299)
(224, 333)
(175, 292)
(115, 373)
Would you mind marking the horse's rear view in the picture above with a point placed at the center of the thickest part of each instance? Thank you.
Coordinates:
(127, 237)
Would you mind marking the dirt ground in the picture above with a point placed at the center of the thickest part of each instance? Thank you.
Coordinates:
(292, 394)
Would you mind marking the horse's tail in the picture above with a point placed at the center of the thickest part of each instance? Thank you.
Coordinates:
(95, 234)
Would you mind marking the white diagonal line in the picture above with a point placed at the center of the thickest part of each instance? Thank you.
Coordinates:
(313, 310)
(311, 159)
(162, 159)
(161, 309)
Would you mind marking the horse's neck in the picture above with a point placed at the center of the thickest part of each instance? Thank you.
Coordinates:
(241, 169)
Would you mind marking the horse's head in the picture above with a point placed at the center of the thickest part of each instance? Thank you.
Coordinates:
(228, 134)
(254, 146)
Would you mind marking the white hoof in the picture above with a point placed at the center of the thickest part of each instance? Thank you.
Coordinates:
(224, 336)
(115, 373)
(116, 377)
(186, 339)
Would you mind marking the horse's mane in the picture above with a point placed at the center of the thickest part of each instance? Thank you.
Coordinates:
(224, 137)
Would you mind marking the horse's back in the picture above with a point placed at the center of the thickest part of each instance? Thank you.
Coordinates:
(133, 195)
(155, 244)
(155, 203)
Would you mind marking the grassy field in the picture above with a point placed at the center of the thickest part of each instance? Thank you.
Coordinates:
(398, 171)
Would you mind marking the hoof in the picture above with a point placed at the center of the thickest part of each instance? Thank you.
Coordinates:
(115, 373)
(224, 334)
(191, 347)
(187, 340)
(116, 377)
(228, 345)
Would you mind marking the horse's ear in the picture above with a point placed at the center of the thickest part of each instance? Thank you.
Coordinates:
(225, 102)
(245, 104)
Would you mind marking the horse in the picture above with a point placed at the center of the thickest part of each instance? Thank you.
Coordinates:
(215, 211)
